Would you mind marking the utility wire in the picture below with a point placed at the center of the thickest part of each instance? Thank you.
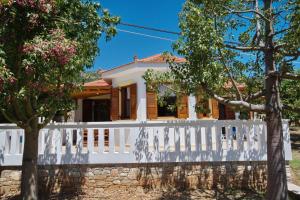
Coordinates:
(169, 32)
(145, 35)
(150, 28)
(163, 31)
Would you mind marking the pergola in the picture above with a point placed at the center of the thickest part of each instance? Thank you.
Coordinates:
(94, 88)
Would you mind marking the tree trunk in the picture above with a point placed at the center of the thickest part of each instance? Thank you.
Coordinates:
(29, 184)
(277, 182)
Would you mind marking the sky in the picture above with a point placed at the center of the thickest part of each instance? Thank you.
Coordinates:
(162, 14)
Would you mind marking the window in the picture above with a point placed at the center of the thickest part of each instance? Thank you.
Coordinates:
(125, 103)
(166, 104)
(96, 110)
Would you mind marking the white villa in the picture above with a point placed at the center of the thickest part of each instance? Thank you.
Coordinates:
(121, 95)
(118, 121)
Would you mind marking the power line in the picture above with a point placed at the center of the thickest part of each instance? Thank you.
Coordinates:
(146, 35)
(163, 30)
(150, 28)
(169, 32)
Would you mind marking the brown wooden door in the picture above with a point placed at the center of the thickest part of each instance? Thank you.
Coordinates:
(133, 101)
(87, 110)
(114, 111)
(183, 109)
(151, 105)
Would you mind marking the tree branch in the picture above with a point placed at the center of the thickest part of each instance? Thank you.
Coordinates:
(244, 104)
(245, 49)
(291, 76)
(256, 95)
(247, 11)
(286, 75)
(292, 54)
(238, 92)
(12, 119)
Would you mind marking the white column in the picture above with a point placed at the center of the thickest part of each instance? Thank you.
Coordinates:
(192, 105)
(237, 115)
(141, 100)
(78, 111)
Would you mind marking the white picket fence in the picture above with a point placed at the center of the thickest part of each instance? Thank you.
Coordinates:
(143, 142)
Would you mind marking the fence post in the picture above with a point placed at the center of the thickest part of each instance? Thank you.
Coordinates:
(90, 140)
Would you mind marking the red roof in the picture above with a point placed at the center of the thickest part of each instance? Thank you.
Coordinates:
(98, 83)
(160, 58)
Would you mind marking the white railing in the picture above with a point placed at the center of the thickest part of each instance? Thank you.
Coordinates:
(143, 142)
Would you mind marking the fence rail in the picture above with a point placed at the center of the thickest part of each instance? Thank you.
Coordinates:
(143, 142)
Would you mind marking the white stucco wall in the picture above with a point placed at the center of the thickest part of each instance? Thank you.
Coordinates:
(137, 78)
(78, 111)
(192, 104)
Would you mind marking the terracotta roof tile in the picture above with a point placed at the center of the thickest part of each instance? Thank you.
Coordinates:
(160, 58)
(98, 83)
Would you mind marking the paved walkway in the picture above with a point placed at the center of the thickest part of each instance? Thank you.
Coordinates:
(294, 189)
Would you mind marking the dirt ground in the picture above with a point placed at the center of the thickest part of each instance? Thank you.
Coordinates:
(163, 195)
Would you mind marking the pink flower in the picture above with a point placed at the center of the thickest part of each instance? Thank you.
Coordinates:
(43, 5)
(27, 48)
(12, 80)
(29, 70)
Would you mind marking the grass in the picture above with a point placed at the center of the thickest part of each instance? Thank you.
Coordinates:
(295, 163)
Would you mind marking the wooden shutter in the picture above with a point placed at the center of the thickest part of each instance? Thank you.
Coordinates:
(230, 114)
(114, 111)
(215, 108)
(151, 105)
(183, 110)
(133, 101)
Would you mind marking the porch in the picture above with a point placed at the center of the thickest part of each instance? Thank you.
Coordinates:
(143, 142)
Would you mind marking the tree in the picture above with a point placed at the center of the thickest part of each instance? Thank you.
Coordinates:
(44, 47)
(290, 93)
(229, 42)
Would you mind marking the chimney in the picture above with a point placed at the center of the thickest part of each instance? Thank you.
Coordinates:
(135, 58)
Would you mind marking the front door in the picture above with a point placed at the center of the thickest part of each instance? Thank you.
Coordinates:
(96, 110)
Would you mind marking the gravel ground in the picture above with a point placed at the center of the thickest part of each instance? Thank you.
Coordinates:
(160, 195)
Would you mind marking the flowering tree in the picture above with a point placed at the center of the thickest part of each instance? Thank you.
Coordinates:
(44, 47)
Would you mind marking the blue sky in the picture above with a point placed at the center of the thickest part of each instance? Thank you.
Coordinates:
(120, 50)
(162, 14)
